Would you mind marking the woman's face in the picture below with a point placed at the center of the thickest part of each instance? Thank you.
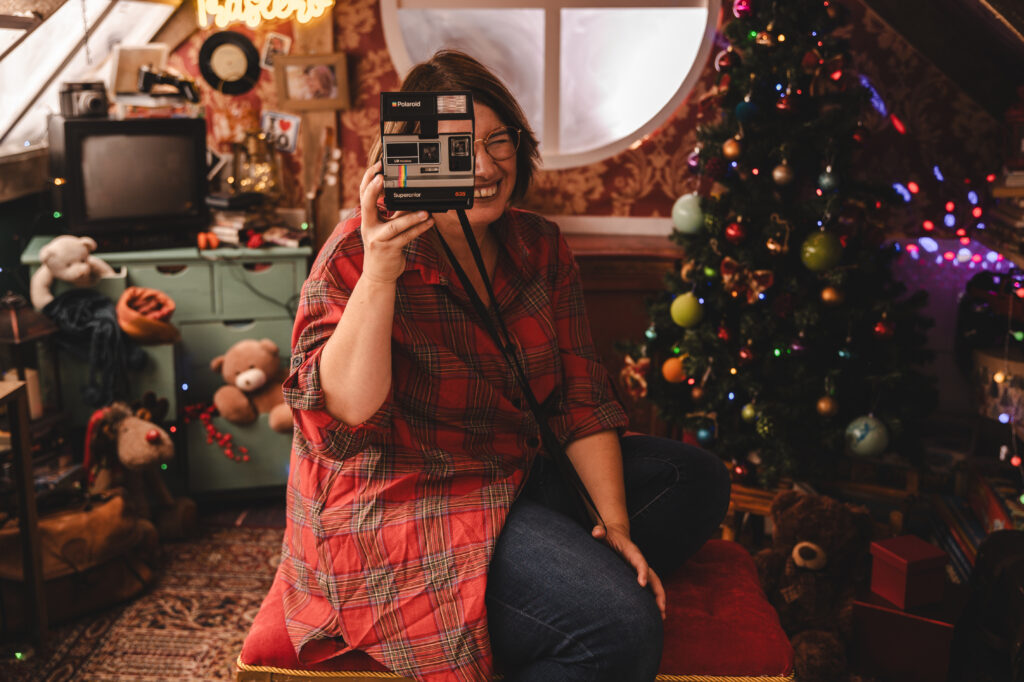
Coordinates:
(495, 180)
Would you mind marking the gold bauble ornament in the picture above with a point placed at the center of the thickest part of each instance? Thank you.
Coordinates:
(828, 406)
(731, 149)
(831, 296)
(782, 174)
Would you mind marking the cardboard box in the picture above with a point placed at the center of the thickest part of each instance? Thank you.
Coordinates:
(907, 571)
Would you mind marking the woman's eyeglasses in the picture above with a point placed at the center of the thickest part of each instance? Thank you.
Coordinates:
(501, 143)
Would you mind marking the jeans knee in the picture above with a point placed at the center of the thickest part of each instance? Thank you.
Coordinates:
(635, 644)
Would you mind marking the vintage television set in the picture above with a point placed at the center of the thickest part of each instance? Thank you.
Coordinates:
(130, 183)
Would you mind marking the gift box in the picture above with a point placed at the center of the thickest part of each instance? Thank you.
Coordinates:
(907, 571)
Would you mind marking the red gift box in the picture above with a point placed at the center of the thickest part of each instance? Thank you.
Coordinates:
(907, 571)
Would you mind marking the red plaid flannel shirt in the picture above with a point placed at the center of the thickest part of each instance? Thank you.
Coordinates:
(392, 523)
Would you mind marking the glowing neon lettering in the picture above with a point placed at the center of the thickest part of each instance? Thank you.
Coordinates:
(226, 12)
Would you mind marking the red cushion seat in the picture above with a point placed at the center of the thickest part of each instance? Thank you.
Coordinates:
(719, 625)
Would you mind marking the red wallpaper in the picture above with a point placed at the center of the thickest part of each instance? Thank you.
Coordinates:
(943, 126)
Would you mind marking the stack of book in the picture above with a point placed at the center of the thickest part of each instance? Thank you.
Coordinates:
(228, 225)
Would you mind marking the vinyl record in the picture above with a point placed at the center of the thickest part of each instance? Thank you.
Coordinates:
(229, 62)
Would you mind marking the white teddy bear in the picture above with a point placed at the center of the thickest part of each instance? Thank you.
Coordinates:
(69, 259)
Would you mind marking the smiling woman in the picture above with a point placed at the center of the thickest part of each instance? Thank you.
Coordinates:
(592, 76)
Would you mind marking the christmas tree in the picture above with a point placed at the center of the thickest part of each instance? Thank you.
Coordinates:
(784, 343)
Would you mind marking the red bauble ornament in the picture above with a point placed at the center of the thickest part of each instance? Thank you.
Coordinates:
(723, 334)
(697, 393)
(860, 133)
(884, 329)
(746, 354)
(735, 232)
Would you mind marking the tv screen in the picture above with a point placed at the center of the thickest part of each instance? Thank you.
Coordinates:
(120, 172)
(142, 179)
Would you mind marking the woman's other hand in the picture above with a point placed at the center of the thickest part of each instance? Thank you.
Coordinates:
(618, 539)
(383, 240)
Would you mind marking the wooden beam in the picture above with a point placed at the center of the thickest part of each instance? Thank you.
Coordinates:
(179, 26)
(317, 37)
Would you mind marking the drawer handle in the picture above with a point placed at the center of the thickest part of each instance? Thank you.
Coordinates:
(256, 267)
(171, 269)
(238, 324)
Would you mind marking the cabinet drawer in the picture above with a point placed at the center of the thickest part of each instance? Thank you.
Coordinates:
(255, 289)
(203, 341)
(188, 283)
(209, 470)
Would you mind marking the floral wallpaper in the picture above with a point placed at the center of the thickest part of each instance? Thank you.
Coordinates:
(943, 127)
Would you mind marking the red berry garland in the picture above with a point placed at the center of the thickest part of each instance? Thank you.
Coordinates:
(205, 413)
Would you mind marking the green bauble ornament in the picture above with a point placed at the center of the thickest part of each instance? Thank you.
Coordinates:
(686, 213)
(748, 413)
(821, 251)
(686, 310)
(867, 436)
(766, 427)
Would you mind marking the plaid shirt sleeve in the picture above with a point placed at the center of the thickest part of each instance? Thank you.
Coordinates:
(322, 303)
(587, 403)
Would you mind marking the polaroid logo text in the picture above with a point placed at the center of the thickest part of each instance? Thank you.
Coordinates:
(400, 103)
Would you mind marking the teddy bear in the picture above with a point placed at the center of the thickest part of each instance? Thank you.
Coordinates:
(124, 449)
(819, 554)
(69, 259)
(252, 374)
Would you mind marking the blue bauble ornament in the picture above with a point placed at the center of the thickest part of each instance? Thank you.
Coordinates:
(705, 435)
(867, 436)
(745, 111)
(686, 213)
(827, 181)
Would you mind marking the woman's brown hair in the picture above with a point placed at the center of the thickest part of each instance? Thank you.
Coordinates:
(454, 70)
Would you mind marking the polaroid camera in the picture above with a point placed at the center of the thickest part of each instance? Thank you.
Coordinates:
(427, 171)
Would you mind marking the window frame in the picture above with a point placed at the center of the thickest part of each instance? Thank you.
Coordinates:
(555, 160)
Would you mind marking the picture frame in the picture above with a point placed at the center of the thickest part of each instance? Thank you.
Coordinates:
(275, 45)
(311, 82)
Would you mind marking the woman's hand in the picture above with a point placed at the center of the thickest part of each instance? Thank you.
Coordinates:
(384, 259)
(617, 537)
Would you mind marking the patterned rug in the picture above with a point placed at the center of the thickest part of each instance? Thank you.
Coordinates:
(188, 626)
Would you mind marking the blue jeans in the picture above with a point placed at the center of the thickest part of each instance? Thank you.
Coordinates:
(563, 606)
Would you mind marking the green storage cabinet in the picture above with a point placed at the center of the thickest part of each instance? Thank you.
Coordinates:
(221, 296)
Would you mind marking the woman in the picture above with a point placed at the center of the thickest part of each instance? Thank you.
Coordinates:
(422, 526)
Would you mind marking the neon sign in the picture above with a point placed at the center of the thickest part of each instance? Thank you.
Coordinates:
(252, 12)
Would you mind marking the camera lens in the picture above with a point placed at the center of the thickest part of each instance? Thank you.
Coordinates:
(92, 103)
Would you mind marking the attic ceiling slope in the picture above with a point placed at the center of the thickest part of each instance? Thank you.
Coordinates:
(978, 44)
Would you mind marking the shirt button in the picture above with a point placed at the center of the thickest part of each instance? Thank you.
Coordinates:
(532, 441)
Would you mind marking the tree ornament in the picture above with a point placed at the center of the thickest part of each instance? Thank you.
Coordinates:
(686, 310)
(723, 333)
(784, 102)
(867, 436)
(797, 346)
(731, 148)
(765, 39)
(782, 174)
(672, 370)
(705, 434)
(687, 215)
(742, 9)
(831, 296)
(749, 413)
(715, 167)
(778, 242)
(859, 134)
(821, 251)
(765, 427)
(827, 181)
(726, 59)
(687, 270)
(745, 110)
(697, 393)
(735, 232)
(693, 160)
(828, 406)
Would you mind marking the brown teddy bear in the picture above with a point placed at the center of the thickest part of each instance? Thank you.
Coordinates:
(819, 552)
(252, 373)
(69, 259)
(124, 449)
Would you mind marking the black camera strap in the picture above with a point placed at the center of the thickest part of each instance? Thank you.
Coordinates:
(502, 339)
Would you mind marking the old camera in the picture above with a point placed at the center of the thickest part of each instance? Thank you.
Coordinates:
(83, 100)
(427, 170)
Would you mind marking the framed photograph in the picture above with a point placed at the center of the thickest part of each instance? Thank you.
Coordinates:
(309, 82)
(275, 45)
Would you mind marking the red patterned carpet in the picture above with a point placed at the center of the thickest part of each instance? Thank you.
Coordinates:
(189, 625)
